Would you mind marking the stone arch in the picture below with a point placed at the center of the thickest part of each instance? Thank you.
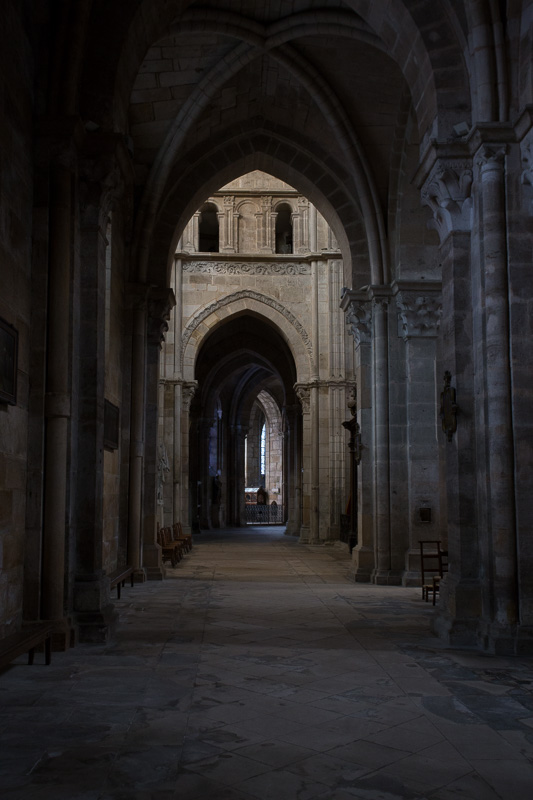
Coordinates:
(315, 175)
(209, 317)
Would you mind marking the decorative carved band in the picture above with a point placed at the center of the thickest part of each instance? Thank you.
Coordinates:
(246, 268)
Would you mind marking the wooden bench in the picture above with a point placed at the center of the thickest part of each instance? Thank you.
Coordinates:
(118, 578)
(30, 636)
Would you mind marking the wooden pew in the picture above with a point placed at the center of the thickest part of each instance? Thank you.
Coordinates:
(27, 640)
(118, 578)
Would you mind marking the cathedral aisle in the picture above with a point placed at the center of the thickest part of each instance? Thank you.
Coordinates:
(258, 671)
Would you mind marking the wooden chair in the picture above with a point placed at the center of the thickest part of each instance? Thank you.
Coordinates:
(184, 538)
(431, 564)
(443, 567)
(169, 550)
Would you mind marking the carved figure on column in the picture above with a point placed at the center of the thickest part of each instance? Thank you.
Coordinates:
(162, 467)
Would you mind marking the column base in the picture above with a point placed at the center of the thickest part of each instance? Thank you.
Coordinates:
(153, 563)
(305, 534)
(139, 575)
(96, 627)
(412, 575)
(64, 636)
(362, 564)
(386, 577)
(292, 530)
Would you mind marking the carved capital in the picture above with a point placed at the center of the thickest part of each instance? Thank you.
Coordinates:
(359, 318)
(160, 304)
(188, 390)
(303, 393)
(419, 313)
(491, 158)
(447, 192)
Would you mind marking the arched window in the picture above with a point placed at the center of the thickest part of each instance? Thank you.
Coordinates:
(208, 229)
(284, 228)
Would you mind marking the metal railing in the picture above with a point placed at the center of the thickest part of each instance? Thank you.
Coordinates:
(263, 514)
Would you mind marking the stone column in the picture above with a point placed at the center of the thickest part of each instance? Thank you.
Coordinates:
(447, 192)
(293, 471)
(184, 393)
(196, 231)
(358, 312)
(301, 227)
(57, 400)
(500, 595)
(95, 616)
(336, 396)
(227, 226)
(384, 570)
(266, 234)
(204, 429)
(161, 301)
(313, 246)
(138, 295)
(420, 307)
(303, 392)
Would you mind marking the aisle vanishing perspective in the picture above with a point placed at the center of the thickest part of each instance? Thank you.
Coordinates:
(258, 671)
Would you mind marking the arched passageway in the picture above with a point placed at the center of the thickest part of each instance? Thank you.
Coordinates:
(407, 127)
(242, 360)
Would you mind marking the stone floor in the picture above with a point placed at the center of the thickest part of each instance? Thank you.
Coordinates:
(258, 671)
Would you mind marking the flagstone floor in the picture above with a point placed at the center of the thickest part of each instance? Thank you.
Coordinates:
(259, 671)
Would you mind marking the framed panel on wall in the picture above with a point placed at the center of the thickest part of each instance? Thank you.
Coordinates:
(8, 363)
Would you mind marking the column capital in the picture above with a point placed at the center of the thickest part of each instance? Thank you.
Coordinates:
(188, 390)
(420, 308)
(491, 157)
(447, 192)
(160, 304)
(303, 393)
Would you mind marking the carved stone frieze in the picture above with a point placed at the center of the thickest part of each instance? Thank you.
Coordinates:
(419, 313)
(447, 192)
(246, 268)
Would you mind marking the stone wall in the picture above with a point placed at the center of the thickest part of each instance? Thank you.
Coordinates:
(16, 91)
